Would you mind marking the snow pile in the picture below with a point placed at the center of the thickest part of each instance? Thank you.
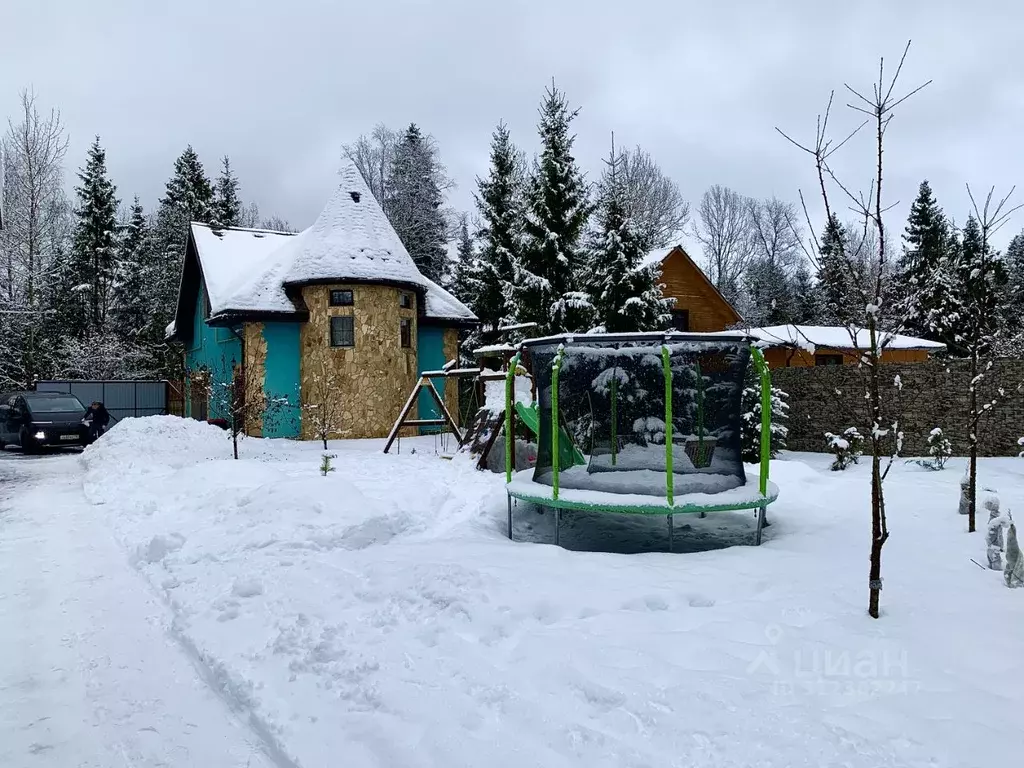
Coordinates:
(380, 613)
(139, 443)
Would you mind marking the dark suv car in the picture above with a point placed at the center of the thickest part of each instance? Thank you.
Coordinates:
(34, 420)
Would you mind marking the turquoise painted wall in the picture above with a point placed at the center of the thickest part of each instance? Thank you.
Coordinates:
(283, 379)
(212, 349)
(430, 354)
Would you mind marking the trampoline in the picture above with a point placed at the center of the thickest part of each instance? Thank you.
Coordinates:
(641, 423)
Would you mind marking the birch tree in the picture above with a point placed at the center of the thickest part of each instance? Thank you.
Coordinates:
(723, 229)
(34, 238)
(650, 199)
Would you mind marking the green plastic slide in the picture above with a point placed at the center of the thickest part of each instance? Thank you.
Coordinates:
(568, 454)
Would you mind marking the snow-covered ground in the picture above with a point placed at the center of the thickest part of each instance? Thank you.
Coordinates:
(90, 676)
(379, 616)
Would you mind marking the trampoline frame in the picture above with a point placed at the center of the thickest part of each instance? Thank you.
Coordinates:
(671, 505)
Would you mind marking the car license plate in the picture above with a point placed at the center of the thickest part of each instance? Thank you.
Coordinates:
(69, 437)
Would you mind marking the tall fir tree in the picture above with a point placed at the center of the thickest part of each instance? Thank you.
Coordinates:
(552, 263)
(806, 298)
(1014, 301)
(499, 199)
(94, 247)
(768, 294)
(461, 283)
(837, 276)
(935, 305)
(226, 209)
(927, 247)
(131, 308)
(188, 197)
(626, 295)
(982, 275)
(414, 203)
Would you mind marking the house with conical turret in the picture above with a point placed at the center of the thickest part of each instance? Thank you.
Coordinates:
(341, 303)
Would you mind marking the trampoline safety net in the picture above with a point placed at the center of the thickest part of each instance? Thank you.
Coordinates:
(612, 404)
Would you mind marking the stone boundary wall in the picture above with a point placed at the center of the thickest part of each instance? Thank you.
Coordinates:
(935, 394)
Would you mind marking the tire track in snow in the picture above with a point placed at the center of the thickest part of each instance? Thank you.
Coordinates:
(83, 668)
(212, 672)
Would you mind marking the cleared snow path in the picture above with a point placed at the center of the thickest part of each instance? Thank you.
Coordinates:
(89, 674)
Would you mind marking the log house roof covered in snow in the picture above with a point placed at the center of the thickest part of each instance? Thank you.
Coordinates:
(791, 346)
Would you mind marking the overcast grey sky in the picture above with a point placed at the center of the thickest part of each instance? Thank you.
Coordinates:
(279, 86)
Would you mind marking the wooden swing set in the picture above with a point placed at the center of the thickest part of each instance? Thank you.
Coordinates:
(486, 423)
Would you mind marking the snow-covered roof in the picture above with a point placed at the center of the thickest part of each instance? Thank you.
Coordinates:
(656, 256)
(227, 256)
(351, 239)
(810, 337)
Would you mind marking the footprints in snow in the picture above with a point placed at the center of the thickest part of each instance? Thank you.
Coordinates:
(229, 606)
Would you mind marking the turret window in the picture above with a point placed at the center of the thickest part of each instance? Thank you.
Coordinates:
(343, 331)
(341, 299)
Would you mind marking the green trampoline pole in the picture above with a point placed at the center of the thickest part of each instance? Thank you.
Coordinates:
(666, 368)
(555, 421)
(766, 415)
(510, 441)
(615, 420)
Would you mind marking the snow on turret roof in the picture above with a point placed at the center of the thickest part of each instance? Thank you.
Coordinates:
(810, 337)
(351, 239)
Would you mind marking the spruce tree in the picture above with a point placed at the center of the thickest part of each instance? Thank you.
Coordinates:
(750, 419)
(983, 278)
(625, 295)
(1014, 293)
(769, 295)
(552, 263)
(226, 210)
(188, 197)
(94, 246)
(836, 276)
(414, 203)
(499, 199)
(131, 306)
(922, 295)
(806, 299)
(935, 307)
(188, 191)
(462, 283)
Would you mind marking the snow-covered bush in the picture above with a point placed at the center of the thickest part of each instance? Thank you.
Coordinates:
(994, 541)
(939, 450)
(847, 448)
(649, 430)
(1013, 573)
(750, 423)
(965, 493)
(1020, 444)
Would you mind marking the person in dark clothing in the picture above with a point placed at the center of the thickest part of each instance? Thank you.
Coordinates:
(96, 419)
